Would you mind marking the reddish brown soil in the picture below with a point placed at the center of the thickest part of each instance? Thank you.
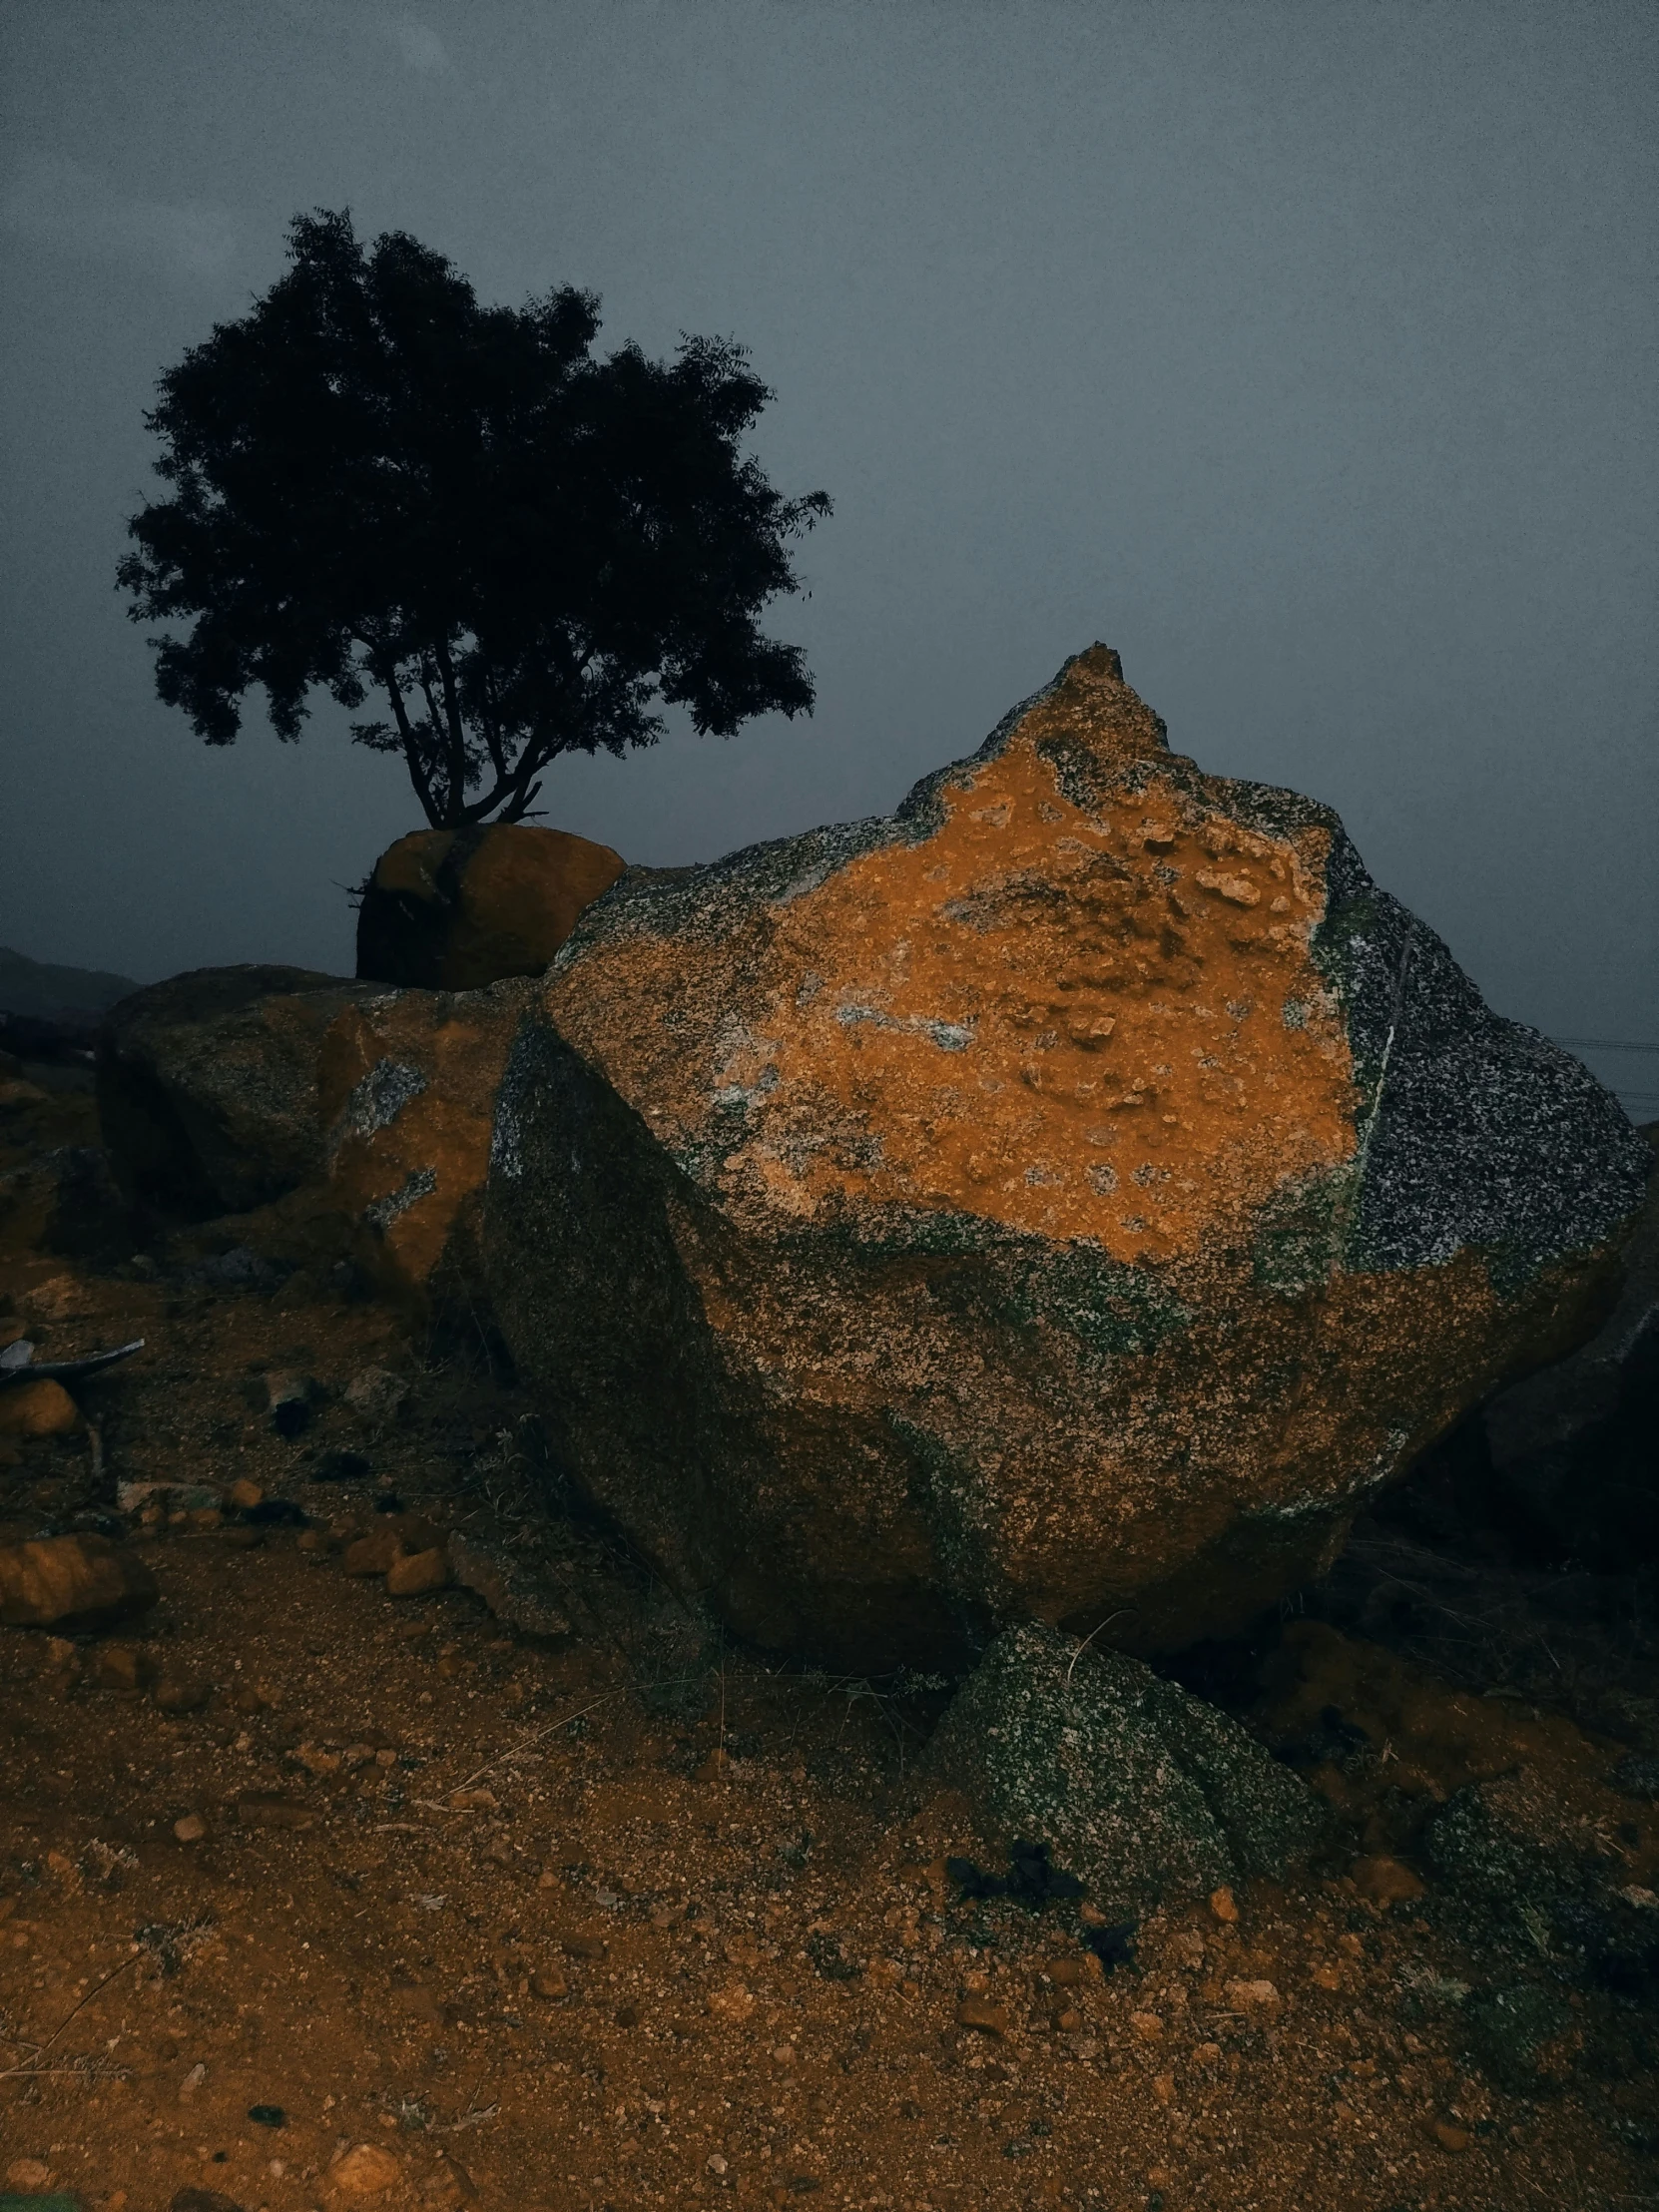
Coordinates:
(623, 1920)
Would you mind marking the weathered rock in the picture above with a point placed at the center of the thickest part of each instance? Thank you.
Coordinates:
(1578, 1442)
(43, 1409)
(1139, 1790)
(376, 1395)
(452, 910)
(1069, 1197)
(70, 1582)
(407, 1085)
(207, 1086)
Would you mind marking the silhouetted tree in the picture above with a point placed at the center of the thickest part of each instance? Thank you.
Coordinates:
(376, 481)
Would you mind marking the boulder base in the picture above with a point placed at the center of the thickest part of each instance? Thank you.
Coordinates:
(1069, 1198)
(455, 910)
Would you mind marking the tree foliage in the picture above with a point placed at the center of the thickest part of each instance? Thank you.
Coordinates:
(377, 483)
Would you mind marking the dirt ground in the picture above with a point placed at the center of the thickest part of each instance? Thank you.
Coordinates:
(312, 1896)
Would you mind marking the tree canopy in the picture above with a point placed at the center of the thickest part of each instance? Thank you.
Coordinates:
(378, 482)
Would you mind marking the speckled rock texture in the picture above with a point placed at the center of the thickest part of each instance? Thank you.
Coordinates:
(1550, 1876)
(454, 910)
(1139, 1790)
(1067, 1198)
(1578, 1442)
(207, 1086)
(406, 1084)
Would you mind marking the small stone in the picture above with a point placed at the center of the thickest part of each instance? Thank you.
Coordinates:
(84, 1581)
(376, 1395)
(1386, 1882)
(585, 1947)
(191, 1829)
(1148, 2026)
(732, 2003)
(192, 2081)
(125, 1668)
(290, 1396)
(1223, 1906)
(207, 1516)
(783, 2054)
(244, 1494)
(1449, 2137)
(266, 2115)
(313, 1539)
(367, 2171)
(43, 1409)
(181, 1693)
(376, 1554)
(550, 1987)
(1327, 1976)
(418, 1573)
(982, 2013)
(717, 2164)
(1163, 2088)
(29, 2174)
(1251, 1997)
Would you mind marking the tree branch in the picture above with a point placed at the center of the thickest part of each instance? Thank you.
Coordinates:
(386, 674)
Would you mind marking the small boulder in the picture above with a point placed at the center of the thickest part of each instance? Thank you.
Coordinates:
(43, 1409)
(207, 1086)
(378, 1396)
(452, 910)
(75, 1582)
(418, 1573)
(1138, 1789)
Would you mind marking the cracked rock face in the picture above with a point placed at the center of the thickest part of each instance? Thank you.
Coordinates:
(1068, 1196)
(406, 1084)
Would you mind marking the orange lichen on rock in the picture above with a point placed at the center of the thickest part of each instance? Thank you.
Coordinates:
(407, 1086)
(456, 909)
(1079, 1014)
(1067, 1198)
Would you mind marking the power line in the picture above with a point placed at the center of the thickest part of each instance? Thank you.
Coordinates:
(1606, 1044)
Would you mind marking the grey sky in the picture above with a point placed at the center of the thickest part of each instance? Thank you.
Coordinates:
(1305, 353)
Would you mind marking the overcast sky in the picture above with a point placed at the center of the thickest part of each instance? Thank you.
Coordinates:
(1305, 353)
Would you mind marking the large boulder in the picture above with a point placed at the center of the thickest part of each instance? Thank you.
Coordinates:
(1070, 1197)
(454, 910)
(406, 1084)
(1578, 1444)
(207, 1086)
(1139, 1790)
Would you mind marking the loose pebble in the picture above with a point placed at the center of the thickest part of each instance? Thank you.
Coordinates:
(191, 1829)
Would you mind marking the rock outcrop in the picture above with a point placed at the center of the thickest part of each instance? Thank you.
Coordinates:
(455, 910)
(207, 1087)
(1139, 1790)
(406, 1084)
(1068, 1198)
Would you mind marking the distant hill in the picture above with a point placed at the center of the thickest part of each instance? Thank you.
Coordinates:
(48, 993)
